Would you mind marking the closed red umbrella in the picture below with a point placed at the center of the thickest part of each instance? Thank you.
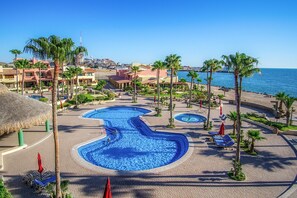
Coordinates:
(221, 110)
(222, 129)
(40, 168)
(200, 103)
(154, 99)
(107, 191)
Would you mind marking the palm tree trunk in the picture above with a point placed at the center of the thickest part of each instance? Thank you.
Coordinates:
(17, 79)
(23, 81)
(288, 117)
(234, 127)
(189, 104)
(40, 81)
(76, 89)
(252, 146)
(237, 99)
(240, 89)
(209, 99)
(134, 97)
(170, 104)
(55, 130)
(158, 90)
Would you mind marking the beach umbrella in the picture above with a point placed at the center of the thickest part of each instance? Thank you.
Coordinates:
(18, 112)
(200, 104)
(107, 191)
(40, 168)
(154, 99)
(221, 109)
(222, 129)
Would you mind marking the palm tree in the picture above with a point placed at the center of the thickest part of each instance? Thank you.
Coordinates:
(78, 53)
(58, 50)
(135, 69)
(199, 80)
(40, 66)
(211, 65)
(71, 72)
(16, 52)
(289, 101)
(233, 117)
(77, 71)
(281, 96)
(68, 76)
(193, 75)
(22, 64)
(172, 62)
(236, 63)
(254, 135)
(246, 72)
(158, 65)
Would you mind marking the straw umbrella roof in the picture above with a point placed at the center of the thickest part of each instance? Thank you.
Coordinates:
(17, 112)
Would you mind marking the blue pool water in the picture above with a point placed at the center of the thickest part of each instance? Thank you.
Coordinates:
(36, 97)
(190, 118)
(130, 144)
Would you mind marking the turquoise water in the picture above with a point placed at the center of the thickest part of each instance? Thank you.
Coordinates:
(270, 81)
(190, 118)
(130, 145)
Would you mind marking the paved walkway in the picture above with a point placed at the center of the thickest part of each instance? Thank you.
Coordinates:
(203, 175)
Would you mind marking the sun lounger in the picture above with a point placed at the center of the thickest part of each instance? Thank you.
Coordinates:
(225, 144)
(39, 185)
(223, 117)
(212, 133)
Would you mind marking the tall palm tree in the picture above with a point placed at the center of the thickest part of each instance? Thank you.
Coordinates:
(158, 65)
(78, 53)
(236, 63)
(70, 71)
(134, 69)
(254, 135)
(68, 76)
(211, 65)
(16, 52)
(233, 117)
(246, 72)
(58, 50)
(77, 71)
(281, 96)
(173, 63)
(289, 101)
(193, 75)
(22, 64)
(40, 65)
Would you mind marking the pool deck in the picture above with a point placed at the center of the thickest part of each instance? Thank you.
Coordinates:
(203, 174)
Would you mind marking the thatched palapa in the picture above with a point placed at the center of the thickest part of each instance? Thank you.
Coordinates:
(17, 112)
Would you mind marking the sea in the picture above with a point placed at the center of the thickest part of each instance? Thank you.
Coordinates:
(268, 81)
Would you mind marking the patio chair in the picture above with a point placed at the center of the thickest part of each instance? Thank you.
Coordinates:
(213, 133)
(225, 144)
(40, 185)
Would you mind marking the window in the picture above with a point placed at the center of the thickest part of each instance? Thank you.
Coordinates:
(29, 74)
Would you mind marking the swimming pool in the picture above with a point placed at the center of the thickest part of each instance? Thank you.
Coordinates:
(190, 118)
(130, 145)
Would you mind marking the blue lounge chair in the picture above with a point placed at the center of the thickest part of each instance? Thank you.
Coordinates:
(39, 185)
(225, 144)
(212, 133)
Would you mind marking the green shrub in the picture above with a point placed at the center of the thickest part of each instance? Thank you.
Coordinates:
(43, 99)
(3, 191)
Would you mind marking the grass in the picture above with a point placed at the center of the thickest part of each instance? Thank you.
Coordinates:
(279, 125)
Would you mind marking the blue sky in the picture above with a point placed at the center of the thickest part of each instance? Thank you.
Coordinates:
(147, 30)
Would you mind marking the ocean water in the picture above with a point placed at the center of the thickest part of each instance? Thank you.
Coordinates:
(270, 81)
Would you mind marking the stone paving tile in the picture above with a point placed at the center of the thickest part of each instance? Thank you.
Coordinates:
(202, 175)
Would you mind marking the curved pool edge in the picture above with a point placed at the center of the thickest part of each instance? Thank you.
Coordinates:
(191, 123)
(82, 162)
